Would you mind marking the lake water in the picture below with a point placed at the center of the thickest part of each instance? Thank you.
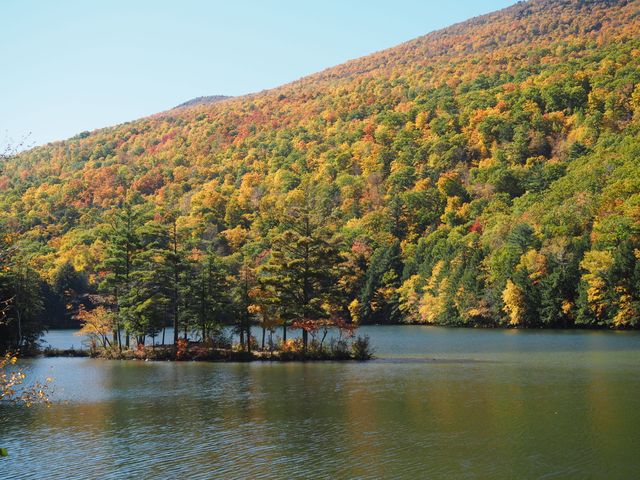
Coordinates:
(436, 403)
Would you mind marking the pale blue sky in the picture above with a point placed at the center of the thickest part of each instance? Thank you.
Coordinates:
(71, 65)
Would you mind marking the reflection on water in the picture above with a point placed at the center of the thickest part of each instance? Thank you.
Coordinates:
(438, 403)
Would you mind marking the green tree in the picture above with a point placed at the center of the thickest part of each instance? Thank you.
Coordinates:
(245, 293)
(123, 244)
(169, 248)
(212, 292)
(303, 268)
(379, 298)
(23, 316)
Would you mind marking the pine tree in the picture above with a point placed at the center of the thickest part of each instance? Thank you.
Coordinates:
(6, 254)
(168, 247)
(26, 304)
(212, 294)
(246, 282)
(147, 298)
(379, 298)
(123, 244)
(21, 297)
(303, 266)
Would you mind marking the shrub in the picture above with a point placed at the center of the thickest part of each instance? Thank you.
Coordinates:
(293, 345)
(361, 348)
(339, 349)
(182, 348)
(291, 349)
(220, 339)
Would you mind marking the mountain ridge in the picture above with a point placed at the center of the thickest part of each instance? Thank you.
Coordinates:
(204, 100)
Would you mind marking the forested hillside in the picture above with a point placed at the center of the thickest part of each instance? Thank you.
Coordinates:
(486, 174)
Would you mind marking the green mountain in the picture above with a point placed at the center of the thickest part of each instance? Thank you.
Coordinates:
(484, 174)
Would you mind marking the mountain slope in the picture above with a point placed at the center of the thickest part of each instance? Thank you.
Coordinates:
(483, 174)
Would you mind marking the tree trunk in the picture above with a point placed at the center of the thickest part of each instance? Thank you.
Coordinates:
(176, 279)
(248, 336)
(203, 307)
(19, 327)
(176, 331)
(324, 335)
(116, 333)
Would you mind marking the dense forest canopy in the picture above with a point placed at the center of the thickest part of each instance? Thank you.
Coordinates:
(486, 174)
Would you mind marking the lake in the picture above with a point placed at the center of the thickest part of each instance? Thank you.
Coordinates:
(436, 403)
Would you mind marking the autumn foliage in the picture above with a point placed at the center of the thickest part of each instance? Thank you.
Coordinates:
(485, 174)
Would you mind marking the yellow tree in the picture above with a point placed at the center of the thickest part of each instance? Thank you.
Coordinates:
(514, 303)
(97, 325)
(598, 264)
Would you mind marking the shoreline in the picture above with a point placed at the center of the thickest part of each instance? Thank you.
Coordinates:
(197, 353)
(461, 327)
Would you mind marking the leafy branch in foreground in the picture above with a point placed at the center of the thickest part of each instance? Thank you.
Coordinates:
(13, 388)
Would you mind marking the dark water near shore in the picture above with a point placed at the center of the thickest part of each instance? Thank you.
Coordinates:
(437, 403)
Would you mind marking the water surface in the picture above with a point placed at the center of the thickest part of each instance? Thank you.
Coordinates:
(437, 403)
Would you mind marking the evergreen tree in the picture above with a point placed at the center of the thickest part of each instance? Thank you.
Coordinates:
(21, 298)
(23, 315)
(147, 299)
(123, 244)
(168, 247)
(379, 298)
(68, 281)
(246, 284)
(212, 293)
(303, 266)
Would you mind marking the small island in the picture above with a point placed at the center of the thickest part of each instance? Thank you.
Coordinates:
(218, 346)
(340, 349)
